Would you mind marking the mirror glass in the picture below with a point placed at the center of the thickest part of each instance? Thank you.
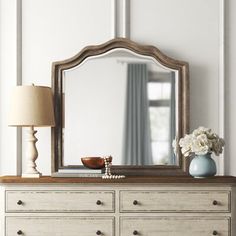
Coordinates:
(121, 104)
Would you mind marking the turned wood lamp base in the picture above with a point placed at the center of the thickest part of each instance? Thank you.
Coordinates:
(31, 155)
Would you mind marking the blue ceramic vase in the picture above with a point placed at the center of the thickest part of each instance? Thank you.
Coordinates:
(202, 166)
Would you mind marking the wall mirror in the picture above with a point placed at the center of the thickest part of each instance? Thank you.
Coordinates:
(122, 99)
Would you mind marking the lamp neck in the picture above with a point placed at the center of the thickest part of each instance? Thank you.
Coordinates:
(31, 128)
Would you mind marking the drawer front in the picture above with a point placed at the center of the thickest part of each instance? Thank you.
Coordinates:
(60, 201)
(58, 226)
(174, 201)
(174, 226)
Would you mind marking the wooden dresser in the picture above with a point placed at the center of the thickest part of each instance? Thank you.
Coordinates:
(145, 206)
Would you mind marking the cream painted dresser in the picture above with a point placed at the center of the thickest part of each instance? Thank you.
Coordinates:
(145, 206)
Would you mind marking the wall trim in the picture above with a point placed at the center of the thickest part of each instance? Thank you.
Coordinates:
(120, 19)
(19, 81)
(221, 99)
(126, 19)
(114, 26)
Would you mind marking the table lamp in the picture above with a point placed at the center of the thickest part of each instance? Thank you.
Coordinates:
(31, 106)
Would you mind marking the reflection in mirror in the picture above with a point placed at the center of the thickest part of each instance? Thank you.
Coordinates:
(121, 104)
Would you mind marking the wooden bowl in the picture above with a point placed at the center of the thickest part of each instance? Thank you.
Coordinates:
(93, 162)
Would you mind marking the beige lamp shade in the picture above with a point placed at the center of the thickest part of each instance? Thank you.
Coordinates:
(31, 106)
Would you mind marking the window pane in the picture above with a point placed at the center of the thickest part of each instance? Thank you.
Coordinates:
(166, 90)
(159, 91)
(154, 91)
(160, 123)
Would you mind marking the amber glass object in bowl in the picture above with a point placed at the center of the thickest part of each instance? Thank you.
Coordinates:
(94, 162)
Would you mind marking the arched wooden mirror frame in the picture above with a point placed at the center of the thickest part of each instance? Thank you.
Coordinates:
(151, 51)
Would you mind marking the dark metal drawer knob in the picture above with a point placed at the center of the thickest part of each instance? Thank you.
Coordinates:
(215, 232)
(99, 202)
(19, 232)
(19, 202)
(215, 203)
(98, 232)
(135, 202)
(135, 232)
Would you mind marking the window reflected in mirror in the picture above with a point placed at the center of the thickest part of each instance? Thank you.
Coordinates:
(161, 112)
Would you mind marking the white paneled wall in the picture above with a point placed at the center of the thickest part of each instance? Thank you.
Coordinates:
(57, 29)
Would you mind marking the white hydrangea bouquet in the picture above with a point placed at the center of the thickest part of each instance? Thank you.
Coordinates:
(202, 141)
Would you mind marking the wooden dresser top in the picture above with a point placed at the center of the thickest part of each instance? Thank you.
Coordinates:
(230, 180)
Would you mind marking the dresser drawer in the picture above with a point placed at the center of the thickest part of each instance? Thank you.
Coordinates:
(174, 201)
(174, 226)
(60, 201)
(58, 226)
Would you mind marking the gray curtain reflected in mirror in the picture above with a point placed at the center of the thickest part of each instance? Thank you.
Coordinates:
(137, 133)
(149, 116)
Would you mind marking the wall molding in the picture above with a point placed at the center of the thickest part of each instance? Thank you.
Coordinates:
(120, 18)
(126, 19)
(221, 100)
(19, 81)
(114, 23)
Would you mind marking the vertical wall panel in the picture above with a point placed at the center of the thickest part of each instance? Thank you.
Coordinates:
(56, 30)
(230, 159)
(189, 30)
(8, 79)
